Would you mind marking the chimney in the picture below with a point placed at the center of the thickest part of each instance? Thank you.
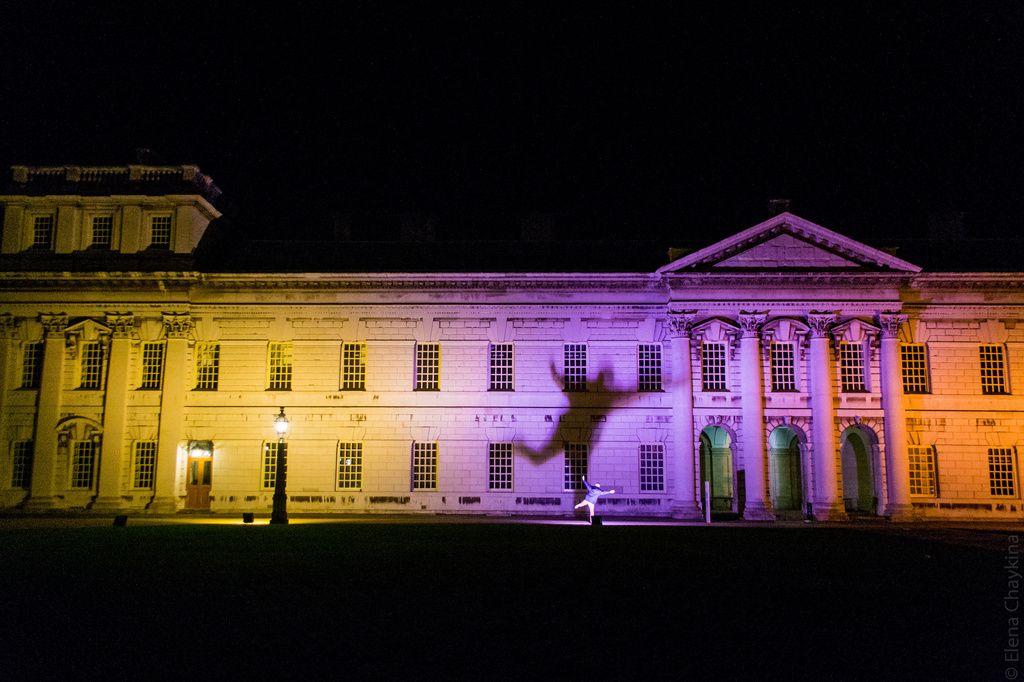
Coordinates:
(777, 206)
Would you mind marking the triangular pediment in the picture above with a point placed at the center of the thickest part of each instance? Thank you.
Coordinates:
(789, 243)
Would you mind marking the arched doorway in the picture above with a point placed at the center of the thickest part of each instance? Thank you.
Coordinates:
(784, 450)
(858, 449)
(716, 468)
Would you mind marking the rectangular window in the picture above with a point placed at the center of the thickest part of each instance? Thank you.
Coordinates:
(92, 365)
(914, 359)
(648, 357)
(353, 366)
(923, 474)
(350, 466)
(145, 463)
(160, 231)
(424, 466)
(712, 367)
(279, 367)
(500, 367)
(993, 370)
(1002, 478)
(83, 459)
(32, 364)
(42, 232)
(428, 366)
(270, 450)
(21, 464)
(102, 231)
(652, 467)
(207, 366)
(574, 378)
(851, 367)
(499, 466)
(575, 467)
(152, 364)
(783, 367)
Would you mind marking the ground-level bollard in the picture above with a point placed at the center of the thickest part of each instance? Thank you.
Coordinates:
(247, 517)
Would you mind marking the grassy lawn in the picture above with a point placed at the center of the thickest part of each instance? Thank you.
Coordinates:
(501, 601)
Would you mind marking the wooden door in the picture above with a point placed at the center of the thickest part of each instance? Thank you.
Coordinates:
(197, 486)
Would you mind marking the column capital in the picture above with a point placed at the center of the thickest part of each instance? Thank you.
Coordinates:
(8, 326)
(177, 325)
(821, 323)
(751, 323)
(890, 324)
(54, 324)
(122, 325)
(680, 323)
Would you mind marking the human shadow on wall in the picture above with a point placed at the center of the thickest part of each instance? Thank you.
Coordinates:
(579, 420)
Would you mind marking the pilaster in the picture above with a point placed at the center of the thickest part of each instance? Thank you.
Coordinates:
(827, 500)
(51, 387)
(115, 414)
(897, 463)
(177, 329)
(684, 506)
(757, 506)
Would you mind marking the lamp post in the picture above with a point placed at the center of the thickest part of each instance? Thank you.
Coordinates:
(280, 511)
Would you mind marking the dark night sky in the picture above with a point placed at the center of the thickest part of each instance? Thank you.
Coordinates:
(623, 121)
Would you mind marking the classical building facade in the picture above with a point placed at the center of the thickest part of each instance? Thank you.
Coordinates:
(787, 371)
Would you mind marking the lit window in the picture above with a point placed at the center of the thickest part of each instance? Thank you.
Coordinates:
(712, 367)
(160, 231)
(270, 450)
(428, 366)
(648, 356)
(145, 463)
(152, 364)
(993, 369)
(353, 366)
(32, 364)
(575, 366)
(783, 367)
(500, 368)
(42, 232)
(21, 465)
(1002, 479)
(923, 475)
(851, 367)
(652, 467)
(575, 466)
(279, 367)
(499, 466)
(102, 231)
(207, 366)
(424, 466)
(83, 459)
(914, 358)
(350, 466)
(92, 365)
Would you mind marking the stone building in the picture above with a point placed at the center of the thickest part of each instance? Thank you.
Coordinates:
(146, 349)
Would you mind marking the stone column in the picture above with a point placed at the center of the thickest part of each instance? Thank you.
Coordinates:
(757, 506)
(115, 415)
(8, 380)
(897, 463)
(177, 328)
(684, 505)
(51, 388)
(827, 501)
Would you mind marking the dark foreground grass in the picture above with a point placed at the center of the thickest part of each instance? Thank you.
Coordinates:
(437, 601)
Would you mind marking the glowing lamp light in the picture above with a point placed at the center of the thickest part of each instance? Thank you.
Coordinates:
(281, 424)
(200, 448)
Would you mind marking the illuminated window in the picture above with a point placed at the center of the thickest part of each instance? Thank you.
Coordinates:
(21, 464)
(428, 366)
(1002, 479)
(993, 370)
(207, 366)
(914, 358)
(783, 367)
(712, 367)
(350, 466)
(270, 450)
(652, 467)
(575, 366)
(31, 364)
(648, 356)
(160, 231)
(83, 460)
(152, 364)
(499, 466)
(923, 474)
(424, 466)
(91, 366)
(102, 231)
(279, 367)
(500, 368)
(575, 467)
(851, 367)
(42, 232)
(353, 366)
(145, 463)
